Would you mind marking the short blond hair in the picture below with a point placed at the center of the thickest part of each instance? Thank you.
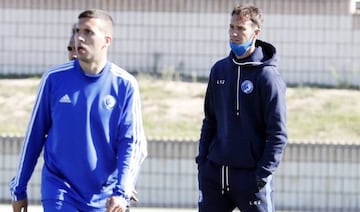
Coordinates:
(250, 12)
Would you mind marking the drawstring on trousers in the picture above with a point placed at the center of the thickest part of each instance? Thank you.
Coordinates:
(224, 179)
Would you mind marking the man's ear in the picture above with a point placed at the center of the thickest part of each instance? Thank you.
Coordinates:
(108, 40)
(257, 33)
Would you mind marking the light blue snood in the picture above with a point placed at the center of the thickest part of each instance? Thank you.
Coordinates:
(240, 49)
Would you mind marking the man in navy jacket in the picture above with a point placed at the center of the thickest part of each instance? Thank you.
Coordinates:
(244, 133)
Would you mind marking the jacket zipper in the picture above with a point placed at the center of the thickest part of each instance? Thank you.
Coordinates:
(238, 92)
(238, 82)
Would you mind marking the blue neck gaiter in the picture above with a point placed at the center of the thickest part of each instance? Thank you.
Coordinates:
(240, 49)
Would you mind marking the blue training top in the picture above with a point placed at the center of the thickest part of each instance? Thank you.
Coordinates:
(91, 129)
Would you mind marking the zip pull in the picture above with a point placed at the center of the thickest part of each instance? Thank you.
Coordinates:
(225, 186)
(227, 178)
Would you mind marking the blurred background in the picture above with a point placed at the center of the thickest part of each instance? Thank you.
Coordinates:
(318, 43)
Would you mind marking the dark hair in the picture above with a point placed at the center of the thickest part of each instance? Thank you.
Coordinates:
(99, 14)
(95, 13)
(254, 14)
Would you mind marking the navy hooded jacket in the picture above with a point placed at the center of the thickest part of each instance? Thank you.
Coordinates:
(245, 113)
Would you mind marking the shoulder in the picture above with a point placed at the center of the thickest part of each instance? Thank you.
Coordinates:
(58, 70)
(123, 75)
(270, 76)
(221, 65)
(226, 61)
(268, 72)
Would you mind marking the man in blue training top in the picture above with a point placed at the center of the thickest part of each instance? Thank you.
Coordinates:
(243, 134)
(87, 119)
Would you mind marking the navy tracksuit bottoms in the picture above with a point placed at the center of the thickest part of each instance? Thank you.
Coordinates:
(222, 188)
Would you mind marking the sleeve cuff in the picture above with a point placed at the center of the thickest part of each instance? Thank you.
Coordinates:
(120, 200)
(18, 196)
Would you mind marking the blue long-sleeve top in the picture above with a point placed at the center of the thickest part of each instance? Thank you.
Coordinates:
(245, 113)
(90, 128)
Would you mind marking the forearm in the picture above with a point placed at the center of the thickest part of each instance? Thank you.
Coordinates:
(28, 160)
(206, 137)
(272, 155)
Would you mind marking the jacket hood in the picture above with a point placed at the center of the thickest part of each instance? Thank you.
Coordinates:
(264, 55)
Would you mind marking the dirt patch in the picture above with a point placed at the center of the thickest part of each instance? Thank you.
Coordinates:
(176, 108)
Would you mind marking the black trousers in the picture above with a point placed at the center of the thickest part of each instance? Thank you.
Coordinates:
(222, 188)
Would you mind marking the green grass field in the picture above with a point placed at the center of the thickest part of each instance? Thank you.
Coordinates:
(174, 110)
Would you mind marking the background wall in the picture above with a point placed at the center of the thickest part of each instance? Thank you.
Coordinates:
(312, 176)
(318, 41)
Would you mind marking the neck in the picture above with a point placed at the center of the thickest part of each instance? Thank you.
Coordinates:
(93, 67)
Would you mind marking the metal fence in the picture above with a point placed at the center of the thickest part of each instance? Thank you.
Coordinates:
(318, 41)
(311, 177)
